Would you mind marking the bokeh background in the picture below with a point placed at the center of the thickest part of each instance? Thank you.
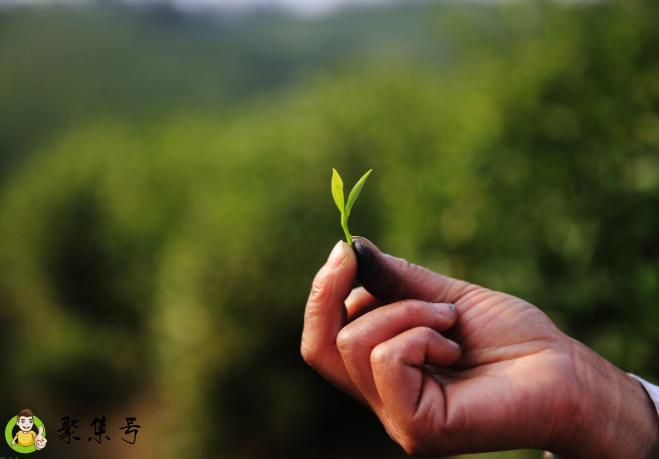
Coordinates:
(165, 203)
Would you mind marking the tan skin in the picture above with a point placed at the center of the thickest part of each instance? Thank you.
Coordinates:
(450, 367)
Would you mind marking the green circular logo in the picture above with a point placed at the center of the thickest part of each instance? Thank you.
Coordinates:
(25, 441)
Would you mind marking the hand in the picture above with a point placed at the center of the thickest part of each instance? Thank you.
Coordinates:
(494, 374)
(40, 440)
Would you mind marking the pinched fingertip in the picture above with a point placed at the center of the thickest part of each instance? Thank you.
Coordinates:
(339, 253)
(446, 313)
(365, 250)
(375, 270)
(447, 309)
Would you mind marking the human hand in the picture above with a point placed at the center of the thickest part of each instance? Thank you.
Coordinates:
(40, 440)
(514, 381)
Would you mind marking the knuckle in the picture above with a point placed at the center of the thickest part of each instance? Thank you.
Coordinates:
(416, 438)
(416, 445)
(346, 339)
(309, 355)
(397, 432)
(411, 446)
(381, 355)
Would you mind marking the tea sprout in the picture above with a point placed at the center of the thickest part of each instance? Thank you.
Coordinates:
(346, 207)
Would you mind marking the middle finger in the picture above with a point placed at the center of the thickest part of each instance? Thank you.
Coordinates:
(357, 339)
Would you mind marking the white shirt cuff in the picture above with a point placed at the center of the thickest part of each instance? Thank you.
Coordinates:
(651, 389)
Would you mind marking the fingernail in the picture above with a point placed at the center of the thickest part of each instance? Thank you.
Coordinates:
(455, 345)
(443, 308)
(336, 256)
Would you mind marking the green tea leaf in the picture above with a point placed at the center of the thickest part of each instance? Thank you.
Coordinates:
(339, 198)
(354, 193)
(337, 191)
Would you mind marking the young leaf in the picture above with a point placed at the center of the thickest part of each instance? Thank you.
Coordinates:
(339, 198)
(354, 193)
(337, 190)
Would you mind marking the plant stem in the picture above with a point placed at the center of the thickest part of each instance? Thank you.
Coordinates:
(344, 225)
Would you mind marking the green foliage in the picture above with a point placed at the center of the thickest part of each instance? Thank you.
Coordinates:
(346, 207)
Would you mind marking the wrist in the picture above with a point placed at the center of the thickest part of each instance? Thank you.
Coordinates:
(611, 415)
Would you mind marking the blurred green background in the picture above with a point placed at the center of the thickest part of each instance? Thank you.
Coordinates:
(164, 200)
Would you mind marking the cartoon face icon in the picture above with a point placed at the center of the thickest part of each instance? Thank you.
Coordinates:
(25, 423)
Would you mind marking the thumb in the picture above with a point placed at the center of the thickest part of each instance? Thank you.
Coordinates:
(392, 279)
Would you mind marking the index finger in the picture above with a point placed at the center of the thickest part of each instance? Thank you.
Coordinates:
(391, 278)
